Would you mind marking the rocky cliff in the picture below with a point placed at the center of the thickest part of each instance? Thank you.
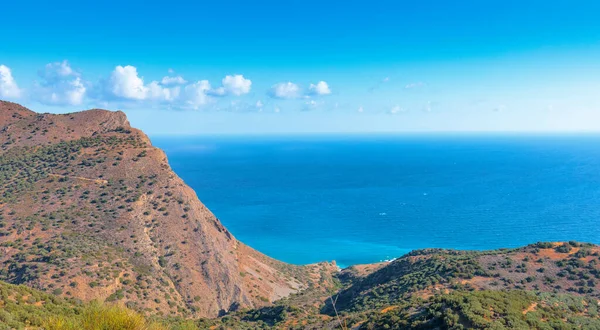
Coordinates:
(90, 209)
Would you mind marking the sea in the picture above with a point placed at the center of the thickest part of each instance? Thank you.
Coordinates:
(361, 199)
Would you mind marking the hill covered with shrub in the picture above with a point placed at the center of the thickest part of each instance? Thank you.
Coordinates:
(426, 289)
(97, 232)
(89, 209)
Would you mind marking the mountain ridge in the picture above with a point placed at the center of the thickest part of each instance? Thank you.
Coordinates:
(87, 183)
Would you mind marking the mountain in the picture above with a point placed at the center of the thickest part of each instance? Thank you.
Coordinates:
(96, 227)
(90, 209)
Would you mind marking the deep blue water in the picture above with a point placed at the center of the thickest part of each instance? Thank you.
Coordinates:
(360, 199)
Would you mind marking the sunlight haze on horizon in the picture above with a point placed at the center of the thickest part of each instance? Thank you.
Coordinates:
(273, 67)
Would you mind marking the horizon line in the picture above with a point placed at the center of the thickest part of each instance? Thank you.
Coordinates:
(384, 133)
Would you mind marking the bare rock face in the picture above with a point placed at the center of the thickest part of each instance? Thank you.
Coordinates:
(90, 209)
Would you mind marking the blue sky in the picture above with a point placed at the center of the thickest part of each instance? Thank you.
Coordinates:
(189, 67)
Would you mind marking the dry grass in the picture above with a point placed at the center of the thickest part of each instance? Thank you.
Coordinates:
(102, 317)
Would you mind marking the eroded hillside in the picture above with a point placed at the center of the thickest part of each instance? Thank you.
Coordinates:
(90, 209)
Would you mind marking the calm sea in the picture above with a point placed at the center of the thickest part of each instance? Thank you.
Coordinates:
(361, 199)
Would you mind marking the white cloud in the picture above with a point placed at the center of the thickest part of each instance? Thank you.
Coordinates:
(360, 109)
(160, 93)
(287, 90)
(168, 81)
(125, 83)
(321, 88)
(195, 94)
(220, 91)
(8, 85)
(237, 84)
(232, 85)
(60, 85)
(57, 71)
(75, 93)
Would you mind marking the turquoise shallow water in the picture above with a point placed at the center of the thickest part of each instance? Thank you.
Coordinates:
(360, 199)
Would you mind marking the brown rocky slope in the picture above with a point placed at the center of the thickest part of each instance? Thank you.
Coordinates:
(90, 209)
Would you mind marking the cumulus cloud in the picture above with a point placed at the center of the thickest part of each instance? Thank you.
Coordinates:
(160, 93)
(232, 85)
(237, 84)
(168, 81)
(195, 94)
(75, 94)
(8, 85)
(287, 90)
(219, 91)
(321, 88)
(57, 70)
(125, 83)
(67, 92)
(59, 85)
